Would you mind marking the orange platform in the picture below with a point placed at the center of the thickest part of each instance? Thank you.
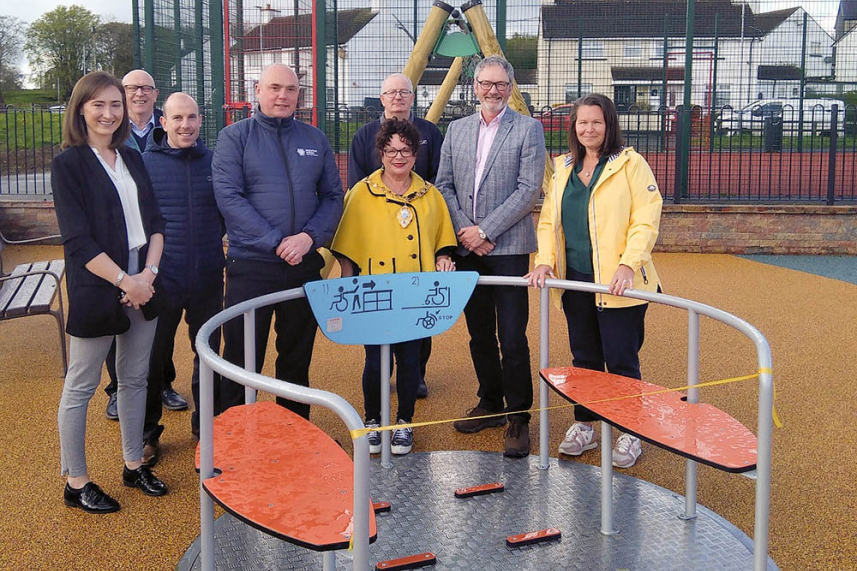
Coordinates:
(281, 474)
(700, 431)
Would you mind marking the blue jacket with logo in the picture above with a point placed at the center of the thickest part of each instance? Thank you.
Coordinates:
(192, 261)
(275, 178)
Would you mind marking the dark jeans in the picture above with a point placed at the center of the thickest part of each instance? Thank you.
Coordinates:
(294, 324)
(602, 337)
(407, 377)
(500, 311)
(197, 309)
(425, 353)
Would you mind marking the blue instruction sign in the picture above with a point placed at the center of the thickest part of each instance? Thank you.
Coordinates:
(389, 308)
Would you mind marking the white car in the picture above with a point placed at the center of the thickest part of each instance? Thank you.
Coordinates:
(817, 115)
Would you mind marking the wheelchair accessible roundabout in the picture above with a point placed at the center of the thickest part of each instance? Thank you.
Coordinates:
(296, 500)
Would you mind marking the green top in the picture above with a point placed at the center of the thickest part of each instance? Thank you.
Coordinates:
(575, 221)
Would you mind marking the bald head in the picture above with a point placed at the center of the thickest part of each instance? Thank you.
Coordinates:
(181, 120)
(278, 91)
(397, 96)
(140, 94)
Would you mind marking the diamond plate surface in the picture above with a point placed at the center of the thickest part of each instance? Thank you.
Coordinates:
(470, 534)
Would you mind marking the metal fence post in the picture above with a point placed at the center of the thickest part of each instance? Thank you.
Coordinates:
(831, 162)
(149, 35)
(135, 27)
(218, 87)
(319, 87)
(683, 158)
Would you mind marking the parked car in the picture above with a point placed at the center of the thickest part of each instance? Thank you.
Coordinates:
(751, 119)
(57, 109)
(556, 118)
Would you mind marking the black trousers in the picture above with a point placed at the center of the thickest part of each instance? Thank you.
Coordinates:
(162, 370)
(197, 309)
(407, 377)
(500, 311)
(294, 324)
(600, 338)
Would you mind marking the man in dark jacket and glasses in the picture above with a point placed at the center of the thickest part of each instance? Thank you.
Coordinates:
(278, 188)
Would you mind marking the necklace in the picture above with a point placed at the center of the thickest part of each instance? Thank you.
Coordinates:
(404, 215)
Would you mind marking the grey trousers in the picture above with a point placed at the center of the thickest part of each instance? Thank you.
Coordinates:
(86, 357)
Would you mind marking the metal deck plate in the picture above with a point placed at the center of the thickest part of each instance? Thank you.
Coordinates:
(470, 534)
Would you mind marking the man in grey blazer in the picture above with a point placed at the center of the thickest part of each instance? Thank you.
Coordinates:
(491, 169)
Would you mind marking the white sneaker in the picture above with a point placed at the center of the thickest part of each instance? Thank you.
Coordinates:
(628, 448)
(403, 440)
(578, 439)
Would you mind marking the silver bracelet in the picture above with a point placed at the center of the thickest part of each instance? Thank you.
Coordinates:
(119, 278)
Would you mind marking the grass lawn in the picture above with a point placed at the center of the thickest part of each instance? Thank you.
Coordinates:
(28, 97)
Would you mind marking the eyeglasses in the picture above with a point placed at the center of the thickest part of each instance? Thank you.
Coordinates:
(147, 89)
(406, 153)
(400, 92)
(500, 85)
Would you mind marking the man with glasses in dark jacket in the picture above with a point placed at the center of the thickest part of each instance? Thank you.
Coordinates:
(278, 188)
(191, 270)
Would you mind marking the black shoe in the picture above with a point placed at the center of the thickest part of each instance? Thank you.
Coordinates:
(173, 400)
(144, 479)
(112, 413)
(517, 438)
(422, 389)
(90, 498)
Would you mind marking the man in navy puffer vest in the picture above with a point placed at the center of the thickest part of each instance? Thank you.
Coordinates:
(191, 270)
(278, 187)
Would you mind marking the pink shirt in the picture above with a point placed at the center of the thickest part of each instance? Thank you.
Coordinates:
(487, 132)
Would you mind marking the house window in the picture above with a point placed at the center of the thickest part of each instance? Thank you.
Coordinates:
(592, 49)
(723, 95)
(624, 96)
(815, 49)
(571, 91)
(633, 49)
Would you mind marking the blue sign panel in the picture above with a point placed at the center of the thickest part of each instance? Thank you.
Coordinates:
(389, 308)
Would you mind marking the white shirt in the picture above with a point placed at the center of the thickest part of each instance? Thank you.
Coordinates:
(487, 132)
(127, 190)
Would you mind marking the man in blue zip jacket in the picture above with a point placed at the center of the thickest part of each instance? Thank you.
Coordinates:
(191, 270)
(278, 188)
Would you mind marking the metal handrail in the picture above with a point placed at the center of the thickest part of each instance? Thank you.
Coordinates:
(210, 361)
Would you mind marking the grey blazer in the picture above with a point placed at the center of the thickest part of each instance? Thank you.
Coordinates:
(511, 181)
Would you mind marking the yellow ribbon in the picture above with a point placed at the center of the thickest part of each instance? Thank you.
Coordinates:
(357, 433)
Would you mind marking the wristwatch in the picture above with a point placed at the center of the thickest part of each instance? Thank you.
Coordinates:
(153, 267)
(482, 234)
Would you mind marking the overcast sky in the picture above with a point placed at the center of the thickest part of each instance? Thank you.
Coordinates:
(29, 10)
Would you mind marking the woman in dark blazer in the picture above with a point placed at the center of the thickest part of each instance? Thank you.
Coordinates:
(112, 233)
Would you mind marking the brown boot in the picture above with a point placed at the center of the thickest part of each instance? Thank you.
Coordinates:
(517, 438)
(476, 424)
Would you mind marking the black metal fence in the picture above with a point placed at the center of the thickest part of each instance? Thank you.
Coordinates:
(754, 155)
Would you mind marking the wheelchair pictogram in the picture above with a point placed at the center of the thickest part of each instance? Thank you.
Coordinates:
(429, 320)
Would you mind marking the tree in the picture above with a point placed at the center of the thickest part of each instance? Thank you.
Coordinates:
(63, 41)
(10, 51)
(115, 48)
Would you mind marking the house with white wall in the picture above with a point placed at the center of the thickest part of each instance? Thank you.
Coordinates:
(616, 47)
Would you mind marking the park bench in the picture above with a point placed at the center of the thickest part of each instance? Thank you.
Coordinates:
(31, 288)
(282, 475)
(698, 431)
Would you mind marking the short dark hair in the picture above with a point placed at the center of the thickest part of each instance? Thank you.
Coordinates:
(87, 88)
(406, 131)
(613, 140)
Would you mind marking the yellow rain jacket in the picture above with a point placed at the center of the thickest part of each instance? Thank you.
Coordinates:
(371, 236)
(624, 214)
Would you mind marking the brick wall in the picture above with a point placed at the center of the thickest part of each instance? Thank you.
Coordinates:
(24, 219)
(749, 229)
(715, 229)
